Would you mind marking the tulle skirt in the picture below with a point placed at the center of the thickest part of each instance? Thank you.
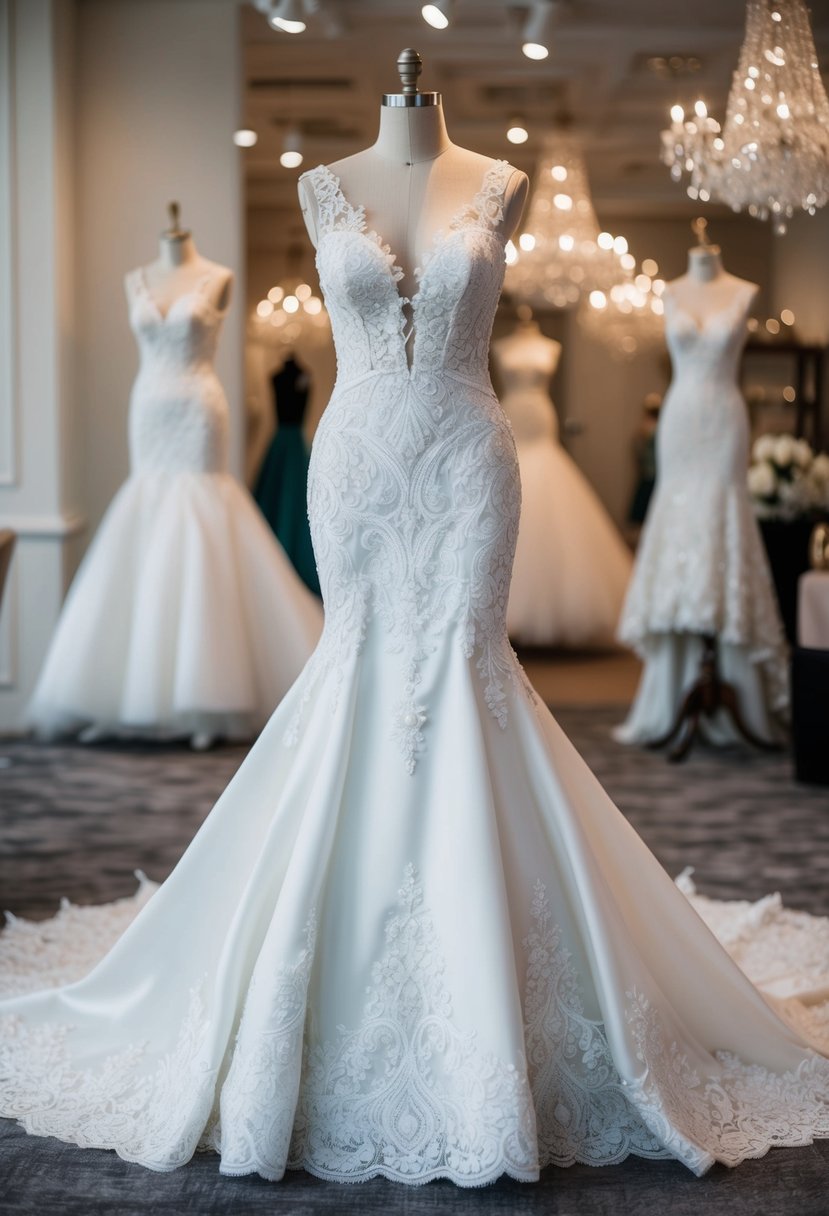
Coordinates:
(571, 565)
(184, 616)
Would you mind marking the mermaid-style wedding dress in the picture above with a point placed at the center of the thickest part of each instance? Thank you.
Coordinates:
(414, 938)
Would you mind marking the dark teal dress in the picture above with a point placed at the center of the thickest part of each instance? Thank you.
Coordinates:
(281, 488)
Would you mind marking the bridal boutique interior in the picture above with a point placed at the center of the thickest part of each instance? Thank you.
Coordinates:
(658, 178)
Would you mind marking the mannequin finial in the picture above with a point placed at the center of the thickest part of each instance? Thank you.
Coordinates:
(409, 65)
(699, 227)
(175, 232)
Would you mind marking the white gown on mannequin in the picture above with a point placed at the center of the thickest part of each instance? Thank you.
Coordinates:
(701, 567)
(185, 615)
(571, 565)
(414, 938)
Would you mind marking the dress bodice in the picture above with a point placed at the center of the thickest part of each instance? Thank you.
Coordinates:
(178, 416)
(181, 340)
(451, 312)
(707, 352)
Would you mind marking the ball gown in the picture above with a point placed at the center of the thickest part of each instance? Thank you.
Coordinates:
(185, 616)
(414, 938)
(571, 565)
(701, 567)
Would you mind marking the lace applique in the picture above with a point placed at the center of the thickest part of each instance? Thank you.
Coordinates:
(739, 1114)
(253, 1130)
(582, 1107)
(408, 1095)
(413, 486)
(148, 1113)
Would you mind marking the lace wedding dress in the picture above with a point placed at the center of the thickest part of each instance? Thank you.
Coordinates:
(701, 567)
(414, 938)
(571, 566)
(185, 615)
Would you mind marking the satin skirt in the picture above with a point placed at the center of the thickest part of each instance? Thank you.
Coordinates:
(474, 969)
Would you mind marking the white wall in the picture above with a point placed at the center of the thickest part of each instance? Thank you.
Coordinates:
(158, 98)
(108, 109)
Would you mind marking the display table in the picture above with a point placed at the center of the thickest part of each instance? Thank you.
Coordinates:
(813, 610)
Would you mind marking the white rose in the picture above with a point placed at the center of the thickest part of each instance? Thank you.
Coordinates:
(763, 448)
(820, 467)
(802, 453)
(762, 482)
(784, 448)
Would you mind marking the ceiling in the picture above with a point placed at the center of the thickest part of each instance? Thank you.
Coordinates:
(600, 79)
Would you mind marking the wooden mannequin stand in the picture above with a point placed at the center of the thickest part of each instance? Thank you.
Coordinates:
(708, 694)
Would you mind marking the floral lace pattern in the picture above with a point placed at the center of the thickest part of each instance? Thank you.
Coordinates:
(413, 487)
(701, 566)
(409, 1093)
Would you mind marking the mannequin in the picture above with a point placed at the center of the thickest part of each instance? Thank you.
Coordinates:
(571, 566)
(180, 268)
(701, 610)
(706, 287)
(413, 179)
(185, 618)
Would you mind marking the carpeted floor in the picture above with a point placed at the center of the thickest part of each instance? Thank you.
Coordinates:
(76, 822)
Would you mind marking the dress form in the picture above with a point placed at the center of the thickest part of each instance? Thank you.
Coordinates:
(706, 287)
(416, 180)
(180, 269)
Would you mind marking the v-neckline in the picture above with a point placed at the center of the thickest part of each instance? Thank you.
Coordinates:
(196, 289)
(408, 323)
(702, 328)
(440, 235)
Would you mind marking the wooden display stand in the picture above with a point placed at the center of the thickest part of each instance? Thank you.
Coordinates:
(707, 695)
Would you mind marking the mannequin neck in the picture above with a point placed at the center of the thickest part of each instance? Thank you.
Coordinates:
(177, 251)
(705, 264)
(530, 326)
(411, 134)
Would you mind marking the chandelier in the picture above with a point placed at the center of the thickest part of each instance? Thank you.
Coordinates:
(630, 316)
(771, 156)
(561, 254)
(289, 313)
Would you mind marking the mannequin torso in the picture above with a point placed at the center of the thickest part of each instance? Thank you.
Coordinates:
(412, 182)
(707, 288)
(180, 269)
(526, 349)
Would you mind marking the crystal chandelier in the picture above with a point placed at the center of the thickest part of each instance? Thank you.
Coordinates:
(289, 313)
(771, 157)
(561, 253)
(630, 316)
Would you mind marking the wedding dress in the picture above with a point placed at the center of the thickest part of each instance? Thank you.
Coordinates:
(571, 565)
(701, 567)
(185, 615)
(414, 938)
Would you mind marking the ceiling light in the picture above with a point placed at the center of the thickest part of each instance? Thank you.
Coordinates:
(244, 138)
(517, 133)
(538, 32)
(437, 14)
(291, 157)
(288, 17)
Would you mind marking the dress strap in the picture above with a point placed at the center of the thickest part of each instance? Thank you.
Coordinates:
(333, 208)
(486, 209)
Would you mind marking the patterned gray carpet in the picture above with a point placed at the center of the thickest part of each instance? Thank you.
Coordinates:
(77, 821)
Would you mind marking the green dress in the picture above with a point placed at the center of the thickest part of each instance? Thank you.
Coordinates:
(281, 488)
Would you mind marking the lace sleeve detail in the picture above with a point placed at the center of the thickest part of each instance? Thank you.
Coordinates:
(333, 209)
(486, 210)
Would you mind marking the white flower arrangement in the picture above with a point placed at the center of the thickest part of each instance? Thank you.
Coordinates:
(786, 479)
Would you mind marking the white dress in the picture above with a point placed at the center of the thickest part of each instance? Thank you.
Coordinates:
(185, 615)
(414, 938)
(571, 565)
(701, 567)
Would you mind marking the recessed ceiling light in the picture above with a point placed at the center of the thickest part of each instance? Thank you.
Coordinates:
(288, 17)
(437, 14)
(244, 138)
